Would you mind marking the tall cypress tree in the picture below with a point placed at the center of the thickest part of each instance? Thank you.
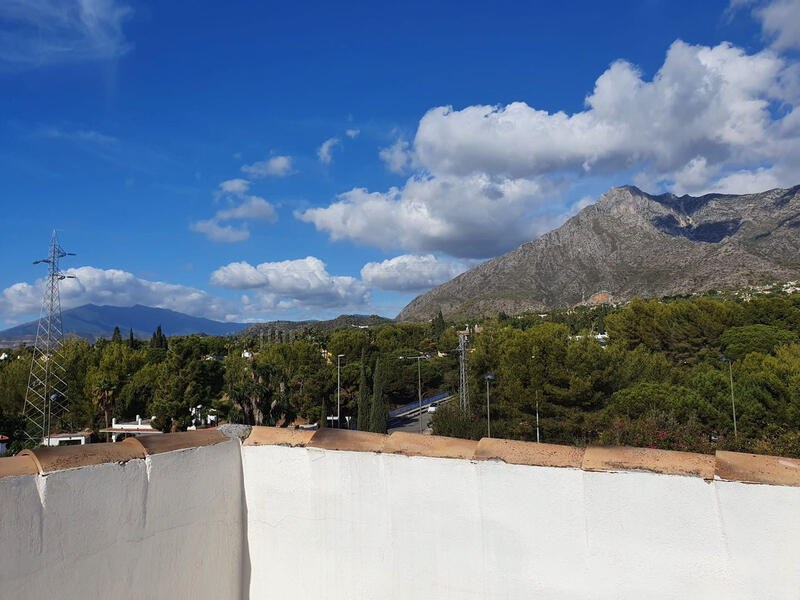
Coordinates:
(116, 337)
(323, 419)
(363, 398)
(379, 415)
(438, 325)
(131, 340)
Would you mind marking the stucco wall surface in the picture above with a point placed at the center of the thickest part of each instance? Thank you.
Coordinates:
(169, 526)
(339, 524)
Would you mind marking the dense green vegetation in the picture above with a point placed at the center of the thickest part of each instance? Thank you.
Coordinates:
(656, 379)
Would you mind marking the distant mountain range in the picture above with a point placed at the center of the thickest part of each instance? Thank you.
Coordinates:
(633, 244)
(92, 322)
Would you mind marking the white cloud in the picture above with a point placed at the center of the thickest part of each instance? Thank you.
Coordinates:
(410, 272)
(212, 229)
(253, 208)
(41, 32)
(780, 21)
(325, 151)
(710, 102)
(491, 177)
(302, 283)
(397, 156)
(352, 133)
(242, 208)
(275, 166)
(234, 186)
(473, 216)
(117, 288)
(78, 135)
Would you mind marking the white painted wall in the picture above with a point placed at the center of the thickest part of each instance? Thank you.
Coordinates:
(324, 524)
(166, 527)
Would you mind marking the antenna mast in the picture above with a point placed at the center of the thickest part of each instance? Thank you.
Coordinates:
(46, 395)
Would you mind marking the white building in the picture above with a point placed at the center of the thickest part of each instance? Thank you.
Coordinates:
(121, 430)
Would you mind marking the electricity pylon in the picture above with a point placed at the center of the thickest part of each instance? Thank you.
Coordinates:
(46, 396)
(463, 381)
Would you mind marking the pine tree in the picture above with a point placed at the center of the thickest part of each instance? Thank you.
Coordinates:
(363, 398)
(379, 415)
(116, 337)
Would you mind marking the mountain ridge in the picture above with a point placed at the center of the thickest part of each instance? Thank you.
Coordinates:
(631, 243)
(92, 321)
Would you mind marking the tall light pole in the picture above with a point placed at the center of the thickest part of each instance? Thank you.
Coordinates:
(339, 391)
(489, 377)
(733, 402)
(537, 416)
(419, 382)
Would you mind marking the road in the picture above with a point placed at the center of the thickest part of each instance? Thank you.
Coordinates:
(411, 424)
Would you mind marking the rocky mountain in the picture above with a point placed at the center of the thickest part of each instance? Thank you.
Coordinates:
(633, 244)
(91, 322)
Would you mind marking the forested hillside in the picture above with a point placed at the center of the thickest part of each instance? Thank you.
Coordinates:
(657, 379)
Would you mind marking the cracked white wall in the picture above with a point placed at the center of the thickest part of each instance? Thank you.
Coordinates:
(168, 529)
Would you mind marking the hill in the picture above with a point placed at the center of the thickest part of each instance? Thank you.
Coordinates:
(629, 244)
(329, 325)
(91, 322)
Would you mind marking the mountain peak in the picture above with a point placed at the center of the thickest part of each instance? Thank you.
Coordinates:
(631, 243)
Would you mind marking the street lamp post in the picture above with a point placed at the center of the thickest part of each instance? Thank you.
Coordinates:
(339, 391)
(733, 402)
(419, 382)
(537, 409)
(489, 377)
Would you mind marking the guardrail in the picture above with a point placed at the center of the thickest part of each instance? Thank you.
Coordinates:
(413, 408)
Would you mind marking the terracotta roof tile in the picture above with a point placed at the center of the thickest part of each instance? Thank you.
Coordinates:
(754, 468)
(59, 458)
(606, 458)
(529, 453)
(413, 444)
(156, 444)
(12, 466)
(279, 436)
(342, 439)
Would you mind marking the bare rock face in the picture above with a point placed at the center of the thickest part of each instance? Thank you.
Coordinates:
(633, 244)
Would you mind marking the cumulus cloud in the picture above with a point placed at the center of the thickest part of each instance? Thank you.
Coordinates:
(302, 283)
(780, 20)
(242, 208)
(116, 288)
(325, 151)
(42, 32)
(473, 216)
(275, 166)
(410, 272)
(490, 177)
(397, 156)
(352, 133)
(709, 102)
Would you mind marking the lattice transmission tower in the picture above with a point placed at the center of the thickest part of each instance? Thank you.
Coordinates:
(46, 396)
(463, 380)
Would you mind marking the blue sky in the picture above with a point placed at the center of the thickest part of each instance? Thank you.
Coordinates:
(263, 161)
